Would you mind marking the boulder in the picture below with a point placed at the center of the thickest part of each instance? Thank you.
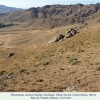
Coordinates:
(58, 38)
(70, 33)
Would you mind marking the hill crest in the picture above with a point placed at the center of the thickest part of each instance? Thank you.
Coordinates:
(6, 9)
(51, 16)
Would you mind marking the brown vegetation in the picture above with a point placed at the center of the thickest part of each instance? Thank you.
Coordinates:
(36, 66)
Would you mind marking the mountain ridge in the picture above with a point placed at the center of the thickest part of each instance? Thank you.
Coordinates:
(51, 16)
(6, 9)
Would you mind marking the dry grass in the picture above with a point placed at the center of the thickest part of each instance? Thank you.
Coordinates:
(71, 65)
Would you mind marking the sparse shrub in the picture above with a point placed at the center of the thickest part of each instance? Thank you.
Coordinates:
(73, 61)
(23, 70)
(23, 57)
(68, 56)
(81, 42)
(46, 63)
(36, 65)
(62, 69)
(10, 73)
(15, 64)
(40, 80)
(91, 63)
(40, 57)
(61, 50)
(73, 50)
(2, 72)
(27, 72)
(34, 71)
(80, 50)
(98, 68)
(51, 55)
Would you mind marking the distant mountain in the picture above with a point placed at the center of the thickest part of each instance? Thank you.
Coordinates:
(5, 9)
(54, 15)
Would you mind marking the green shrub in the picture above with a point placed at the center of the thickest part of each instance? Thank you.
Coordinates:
(46, 63)
(34, 71)
(11, 73)
(73, 61)
(2, 72)
(80, 50)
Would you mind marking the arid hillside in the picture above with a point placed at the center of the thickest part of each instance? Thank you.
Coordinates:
(55, 48)
(28, 63)
(51, 16)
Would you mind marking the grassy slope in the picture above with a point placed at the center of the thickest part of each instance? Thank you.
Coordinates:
(71, 65)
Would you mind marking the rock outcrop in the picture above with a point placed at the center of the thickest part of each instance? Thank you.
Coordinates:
(71, 32)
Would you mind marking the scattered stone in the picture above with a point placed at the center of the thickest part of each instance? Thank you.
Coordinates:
(3, 86)
(42, 68)
(6, 77)
(69, 88)
(9, 77)
(61, 40)
(2, 77)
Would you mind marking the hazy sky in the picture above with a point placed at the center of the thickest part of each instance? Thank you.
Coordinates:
(39, 3)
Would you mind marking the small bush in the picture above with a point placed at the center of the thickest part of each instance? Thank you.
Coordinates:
(98, 68)
(73, 61)
(80, 50)
(36, 65)
(2, 72)
(91, 63)
(45, 63)
(51, 55)
(11, 73)
(23, 70)
(40, 80)
(62, 69)
(34, 71)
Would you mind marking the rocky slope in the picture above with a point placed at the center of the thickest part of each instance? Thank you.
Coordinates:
(72, 65)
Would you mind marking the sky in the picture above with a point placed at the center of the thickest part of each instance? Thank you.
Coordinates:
(38, 3)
